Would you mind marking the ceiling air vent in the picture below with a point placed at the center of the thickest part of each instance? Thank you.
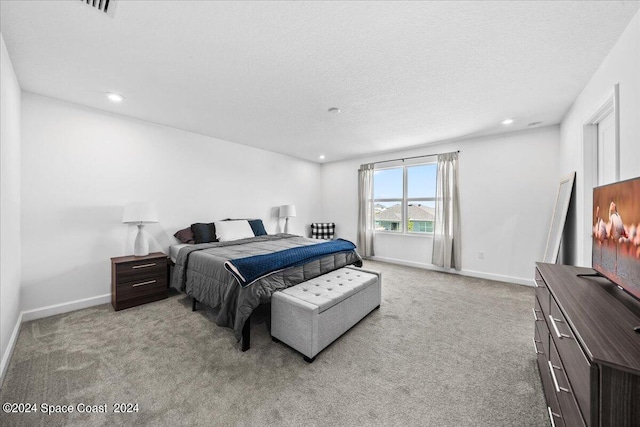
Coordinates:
(106, 6)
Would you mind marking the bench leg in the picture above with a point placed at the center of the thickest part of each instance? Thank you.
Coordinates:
(309, 360)
(246, 334)
(193, 306)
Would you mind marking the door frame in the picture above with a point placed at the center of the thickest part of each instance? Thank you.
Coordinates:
(610, 104)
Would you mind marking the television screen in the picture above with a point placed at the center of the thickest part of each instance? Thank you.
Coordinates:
(616, 233)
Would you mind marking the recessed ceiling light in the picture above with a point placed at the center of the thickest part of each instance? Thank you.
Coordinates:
(507, 121)
(114, 97)
(334, 110)
(321, 157)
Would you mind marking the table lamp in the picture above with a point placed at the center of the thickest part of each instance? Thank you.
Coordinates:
(140, 213)
(286, 212)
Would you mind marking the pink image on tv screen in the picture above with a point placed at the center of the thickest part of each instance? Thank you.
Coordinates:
(616, 233)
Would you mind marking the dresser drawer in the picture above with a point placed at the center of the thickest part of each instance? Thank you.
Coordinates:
(564, 391)
(577, 366)
(542, 293)
(542, 329)
(553, 407)
(547, 385)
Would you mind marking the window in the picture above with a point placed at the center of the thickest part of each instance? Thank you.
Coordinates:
(404, 198)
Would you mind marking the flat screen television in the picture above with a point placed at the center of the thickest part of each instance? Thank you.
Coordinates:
(616, 233)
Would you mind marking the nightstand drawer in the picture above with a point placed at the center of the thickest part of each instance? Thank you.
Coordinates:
(141, 278)
(141, 288)
(132, 271)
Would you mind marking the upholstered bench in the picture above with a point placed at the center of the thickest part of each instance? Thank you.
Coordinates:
(313, 314)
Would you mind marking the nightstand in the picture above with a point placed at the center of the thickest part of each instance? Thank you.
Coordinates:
(137, 280)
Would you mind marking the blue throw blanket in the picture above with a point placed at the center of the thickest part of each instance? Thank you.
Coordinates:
(248, 270)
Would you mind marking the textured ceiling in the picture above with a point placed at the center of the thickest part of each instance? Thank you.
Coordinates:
(264, 74)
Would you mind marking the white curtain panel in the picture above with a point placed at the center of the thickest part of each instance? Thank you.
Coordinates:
(446, 233)
(365, 210)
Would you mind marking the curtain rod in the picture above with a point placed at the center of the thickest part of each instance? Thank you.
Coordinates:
(414, 157)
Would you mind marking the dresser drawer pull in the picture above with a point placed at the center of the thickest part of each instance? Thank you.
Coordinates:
(144, 265)
(535, 346)
(144, 283)
(552, 415)
(555, 379)
(535, 315)
(555, 328)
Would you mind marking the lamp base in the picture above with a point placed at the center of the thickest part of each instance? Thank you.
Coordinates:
(141, 246)
(286, 225)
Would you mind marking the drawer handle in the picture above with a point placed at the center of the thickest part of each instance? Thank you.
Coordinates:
(555, 328)
(144, 283)
(535, 346)
(143, 265)
(551, 415)
(535, 316)
(555, 379)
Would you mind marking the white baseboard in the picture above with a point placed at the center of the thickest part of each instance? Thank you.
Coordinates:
(499, 278)
(6, 357)
(402, 262)
(469, 273)
(65, 307)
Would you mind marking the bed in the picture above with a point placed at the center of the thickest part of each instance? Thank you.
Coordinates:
(200, 273)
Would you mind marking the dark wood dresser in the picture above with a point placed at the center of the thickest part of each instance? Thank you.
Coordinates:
(588, 352)
(137, 280)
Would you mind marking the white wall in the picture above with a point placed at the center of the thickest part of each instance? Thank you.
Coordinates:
(622, 65)
(508, 185)
(80, 166)
(9, 208)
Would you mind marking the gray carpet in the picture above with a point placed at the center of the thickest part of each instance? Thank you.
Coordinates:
(443, 350)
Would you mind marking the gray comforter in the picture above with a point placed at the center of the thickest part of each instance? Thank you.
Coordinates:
(200, 273)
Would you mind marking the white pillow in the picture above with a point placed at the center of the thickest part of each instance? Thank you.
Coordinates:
(233, 230)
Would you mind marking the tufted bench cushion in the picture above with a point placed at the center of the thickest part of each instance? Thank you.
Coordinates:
(329, 289)
(311, 315)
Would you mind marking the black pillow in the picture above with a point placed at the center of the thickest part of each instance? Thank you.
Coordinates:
(204, 233)
(258, 227)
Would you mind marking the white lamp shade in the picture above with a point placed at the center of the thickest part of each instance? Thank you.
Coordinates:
(287, 211)
(140, 213)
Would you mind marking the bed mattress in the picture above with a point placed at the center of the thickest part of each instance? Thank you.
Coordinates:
(174, 249)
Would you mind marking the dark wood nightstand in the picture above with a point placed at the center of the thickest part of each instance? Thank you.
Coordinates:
(137, 280)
